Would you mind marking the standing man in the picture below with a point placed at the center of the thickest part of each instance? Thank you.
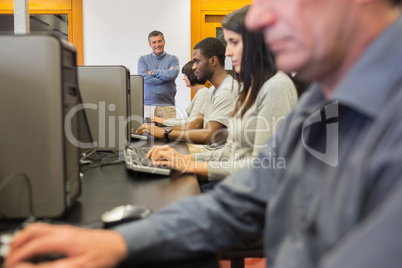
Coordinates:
(159, 70)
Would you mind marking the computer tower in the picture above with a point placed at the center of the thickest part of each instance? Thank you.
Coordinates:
(137, 101)
(39, 165)
(105, 92)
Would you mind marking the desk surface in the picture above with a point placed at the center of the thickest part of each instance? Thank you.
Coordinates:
(109, 186)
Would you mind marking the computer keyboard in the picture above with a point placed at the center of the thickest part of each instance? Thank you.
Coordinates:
(136, 159)
(139, 137)
(7, 236)
(5, 241)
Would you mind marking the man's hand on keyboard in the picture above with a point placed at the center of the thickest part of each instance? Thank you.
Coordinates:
(167, 156)
(151, 129)
(157, 120)
(80, 247)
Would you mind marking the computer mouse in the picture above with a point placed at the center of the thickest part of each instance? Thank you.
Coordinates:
(123, 214)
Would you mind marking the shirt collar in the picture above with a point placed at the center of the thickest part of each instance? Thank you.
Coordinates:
(223, 81)
(370, 82)
(161, 55)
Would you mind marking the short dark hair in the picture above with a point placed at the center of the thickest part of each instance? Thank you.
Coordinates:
(210, 47)
(188, 70)
(155, 33)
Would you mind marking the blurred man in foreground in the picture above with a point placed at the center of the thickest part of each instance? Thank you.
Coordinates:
(337, 203)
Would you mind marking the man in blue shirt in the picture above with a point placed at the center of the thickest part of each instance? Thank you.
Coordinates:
(337, 202)
(160, 71)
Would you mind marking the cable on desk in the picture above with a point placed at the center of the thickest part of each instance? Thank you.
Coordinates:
(115, 162)
(102, 158)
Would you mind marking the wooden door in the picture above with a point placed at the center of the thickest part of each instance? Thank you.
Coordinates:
(206, 16)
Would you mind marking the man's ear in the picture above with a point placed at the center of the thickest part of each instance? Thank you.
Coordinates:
(214, 60)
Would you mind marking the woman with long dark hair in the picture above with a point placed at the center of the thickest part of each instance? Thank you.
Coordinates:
(265, 97)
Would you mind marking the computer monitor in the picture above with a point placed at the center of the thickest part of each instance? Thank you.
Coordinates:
(137, 101)
(39, 166)
(105, 92)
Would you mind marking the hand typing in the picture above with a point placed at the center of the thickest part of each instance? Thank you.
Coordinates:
(167, 156)
(81, 247)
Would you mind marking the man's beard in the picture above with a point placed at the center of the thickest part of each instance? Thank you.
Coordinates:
(207, 75)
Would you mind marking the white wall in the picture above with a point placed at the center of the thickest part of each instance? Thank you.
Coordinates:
(116, 32)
